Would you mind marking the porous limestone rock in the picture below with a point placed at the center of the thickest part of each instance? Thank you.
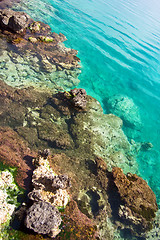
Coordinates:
(48, 186)
(154, 233)
(43, 218)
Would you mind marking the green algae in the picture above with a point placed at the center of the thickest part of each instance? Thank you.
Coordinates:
(13, 191)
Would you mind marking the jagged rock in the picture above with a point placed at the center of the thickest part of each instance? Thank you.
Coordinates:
(137, 201)
(77, 97)
(61, 181)
(48, 186)
(14, 21)
(44, 154)
(43, 218)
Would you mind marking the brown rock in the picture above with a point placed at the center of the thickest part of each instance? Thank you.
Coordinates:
(14, 21)
(76, 225)
(14, 152)
(138, 202)
(101, 167)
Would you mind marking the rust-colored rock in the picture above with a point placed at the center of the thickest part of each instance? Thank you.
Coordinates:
(138, 202)
(76, 225)
(14, 152)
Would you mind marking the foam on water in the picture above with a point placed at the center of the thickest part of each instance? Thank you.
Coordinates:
(119, 46)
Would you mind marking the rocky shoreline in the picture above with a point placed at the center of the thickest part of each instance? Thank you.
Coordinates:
(88, 148)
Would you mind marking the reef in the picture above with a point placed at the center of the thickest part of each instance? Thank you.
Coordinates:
(35, 56)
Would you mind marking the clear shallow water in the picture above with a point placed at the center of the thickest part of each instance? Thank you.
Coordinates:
(119, 48)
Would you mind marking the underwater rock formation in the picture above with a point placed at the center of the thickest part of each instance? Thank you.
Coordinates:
(138, 202)
(13, 21)
(43, 218)
(124, 107)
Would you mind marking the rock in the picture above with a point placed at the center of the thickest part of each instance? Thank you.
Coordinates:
(14, 21)
(138, 202)
(124, 107)
(69, 101)
(32, 39)
(46, 39)
(78, 96)
(154, 233)
(43, 218)
(61, 181)
(8, 197)
(35, 27)
(77, 225)
(13, 151)
(146, 146)
(48, 186)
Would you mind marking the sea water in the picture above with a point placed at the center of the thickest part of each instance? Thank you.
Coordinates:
(119, 46)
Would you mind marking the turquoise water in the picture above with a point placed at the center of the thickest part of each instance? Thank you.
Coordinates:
(119, 47)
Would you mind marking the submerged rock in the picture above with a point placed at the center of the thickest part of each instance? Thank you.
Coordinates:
(43, 218)
(124, 107)
(14, 21)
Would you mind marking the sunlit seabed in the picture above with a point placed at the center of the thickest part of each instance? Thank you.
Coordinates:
(119, 46)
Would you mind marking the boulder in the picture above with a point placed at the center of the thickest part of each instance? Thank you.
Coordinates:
(13, 21)
(137, 206)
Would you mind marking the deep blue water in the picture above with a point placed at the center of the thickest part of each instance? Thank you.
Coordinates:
(119, 47)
